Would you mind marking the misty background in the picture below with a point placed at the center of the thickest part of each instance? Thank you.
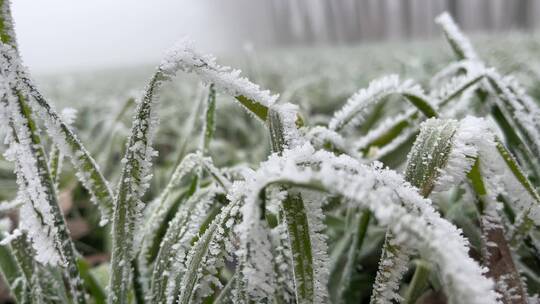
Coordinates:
(66, 35)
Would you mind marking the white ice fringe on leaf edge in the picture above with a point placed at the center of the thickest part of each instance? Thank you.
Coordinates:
(288, 113)
(523, 109)
(319, 136)
(219, 247)
(471, 67)
(352, 114)
(454, 34)
(39, 220)
(282, 261)
(313, 202)
(255, 253)
(54, 126)
(392, 266)
(462, 156)
(376, 152)
(157, 210)
(498, 177)
(383, 191)
(184, 57)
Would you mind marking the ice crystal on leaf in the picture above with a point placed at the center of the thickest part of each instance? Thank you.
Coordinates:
(184, 57)
(351, 114)
(260, 233)
(459, 42)
(383, 192)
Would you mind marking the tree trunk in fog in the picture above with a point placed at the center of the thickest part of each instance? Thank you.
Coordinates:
(351, 21)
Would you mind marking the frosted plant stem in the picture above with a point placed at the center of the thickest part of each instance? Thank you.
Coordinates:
(497, 257)
(429, 154)
(205, 252)
(306, 281)
(133, 183)
(63, 242)
(496, 254)
(41, 201)
(191, 217)
(393, 264)
(159, 210)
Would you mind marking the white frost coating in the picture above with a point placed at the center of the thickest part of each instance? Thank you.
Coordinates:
(456, 84)
(392, 266)
(255, 253)
(382, 128)
(282, 260)
(36, 210)
(456, 36)
(462, 156)
(288, 113)
(452, 70)
(189, 220)
(69, 115)
(7, 206)
(498, 177)
(352, 114)
(10, 237)
(184, 57)
(519, 105)
(208, 253)
(462, 106)
(320, 136)
(313, 202)
(158, 209)
(383, 192)
(58, 130)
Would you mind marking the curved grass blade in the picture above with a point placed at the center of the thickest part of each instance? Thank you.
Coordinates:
(351, 114)
(184, 57)
(302, 167)
(520, 113)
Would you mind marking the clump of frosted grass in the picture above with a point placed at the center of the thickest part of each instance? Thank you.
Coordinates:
(300, 225)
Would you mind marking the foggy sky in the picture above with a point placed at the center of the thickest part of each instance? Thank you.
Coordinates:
(63, 35)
